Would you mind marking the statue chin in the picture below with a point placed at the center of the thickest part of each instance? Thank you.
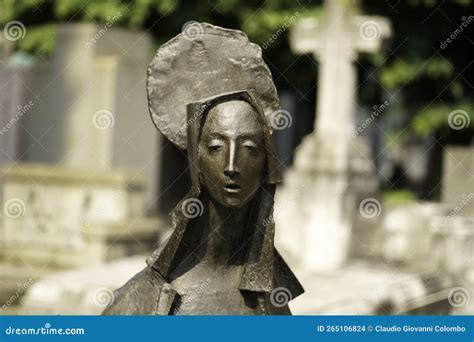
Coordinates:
(232, 203)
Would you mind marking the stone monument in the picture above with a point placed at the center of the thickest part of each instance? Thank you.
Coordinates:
(457, 189)
(14, 104)
(90, 105)
(332, 173)
(76, 191)
(59, 219)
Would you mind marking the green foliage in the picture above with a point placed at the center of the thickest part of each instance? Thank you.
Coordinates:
(428, 75)
(103, 11)
(34, 39)
(65, 9)
(437, 117)
(398, 197)
(399, 73)
(14, 9)
(132, 13)
(265, 23)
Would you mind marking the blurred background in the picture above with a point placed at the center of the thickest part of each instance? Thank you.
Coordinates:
(375, 140)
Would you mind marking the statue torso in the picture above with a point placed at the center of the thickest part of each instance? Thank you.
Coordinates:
(205, 290)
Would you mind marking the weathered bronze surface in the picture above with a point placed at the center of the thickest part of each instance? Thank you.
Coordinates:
(220, 258)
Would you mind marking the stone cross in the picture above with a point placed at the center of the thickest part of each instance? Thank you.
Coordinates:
(331, 171)
(335, 41)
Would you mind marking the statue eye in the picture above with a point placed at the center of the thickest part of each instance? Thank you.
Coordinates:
(214, 145)
(214, 148)
(249, 145)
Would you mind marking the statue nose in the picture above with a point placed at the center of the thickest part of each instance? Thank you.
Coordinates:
(232, 174)
(231, 170)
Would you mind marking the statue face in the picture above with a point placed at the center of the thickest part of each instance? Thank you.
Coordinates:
(231, 153)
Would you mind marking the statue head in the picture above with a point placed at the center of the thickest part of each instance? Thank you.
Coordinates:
(231, 153)
(230, 148)
(218, 82)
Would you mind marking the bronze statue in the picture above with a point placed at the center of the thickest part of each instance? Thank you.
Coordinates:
(211, 94)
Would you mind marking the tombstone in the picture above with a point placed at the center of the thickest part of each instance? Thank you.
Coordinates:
(6, 49)
(368, 288)
(405, 236)
(86, 290)
(85, 170)
(14, 104)
(452, 234)
(91, 110)
(453, 246)
(457, 185)
(10, 110)
(332, 172)
(64, 218)
(60, 218)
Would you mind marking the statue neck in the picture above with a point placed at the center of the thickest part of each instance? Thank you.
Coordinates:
(224, 243)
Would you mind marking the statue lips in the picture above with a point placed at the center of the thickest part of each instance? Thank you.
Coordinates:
(232, 188)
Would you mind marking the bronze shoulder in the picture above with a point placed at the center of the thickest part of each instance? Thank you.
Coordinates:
(146, 293)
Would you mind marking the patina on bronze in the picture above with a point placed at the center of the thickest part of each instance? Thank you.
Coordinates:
(220, 258)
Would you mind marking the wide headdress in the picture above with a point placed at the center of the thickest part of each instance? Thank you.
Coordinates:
(201, 62)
